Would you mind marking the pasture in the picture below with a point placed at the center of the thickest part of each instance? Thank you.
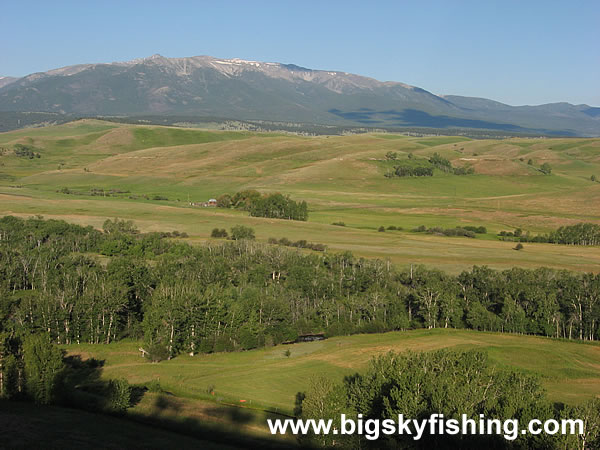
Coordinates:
(341, 178)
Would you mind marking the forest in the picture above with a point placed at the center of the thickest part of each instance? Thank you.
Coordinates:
(63, 284)
(79, 284)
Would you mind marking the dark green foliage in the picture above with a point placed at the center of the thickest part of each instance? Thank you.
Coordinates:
(224, 201)
(425, 168)
(439, 162)
(158, 352)
(244, 199)
(409, 171)
(278, 206)
(477, 230)
(219, 233)
(519, 246)
(381, 229)
(458, 231)
(43, 363)
(25, 151)
(275, 206)
(593, 178)
(392, 228)
(418, 385)
(530, 162)
(546, 169)
(580, 234)
(119, 226)
(391, 156)
(118, 395)
(339, 224)
(299, 244)
(242, 294)
(239, 232)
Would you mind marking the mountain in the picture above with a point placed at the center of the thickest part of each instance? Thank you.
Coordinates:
(240, 89)
(5, 81)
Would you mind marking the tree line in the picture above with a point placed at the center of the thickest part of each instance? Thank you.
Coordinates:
(243, 294)
(579, 234)
(424, 168)
(274, 206)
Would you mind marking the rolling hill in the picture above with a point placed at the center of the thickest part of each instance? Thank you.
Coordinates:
(251, 90)
(89, 171)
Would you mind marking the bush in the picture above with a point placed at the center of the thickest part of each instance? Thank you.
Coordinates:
(219, 233)
(239, 232)
(119, 395)
(546, 169)
(519, 246)
(44, 368)
(158, 352)
(381, 229)
(224, 201)
(392, 228)
(339, 224)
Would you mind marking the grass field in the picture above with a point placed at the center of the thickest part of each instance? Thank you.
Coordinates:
(268, 379)
(340, 177)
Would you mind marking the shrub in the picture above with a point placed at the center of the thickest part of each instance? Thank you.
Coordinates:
(392, 228)
(239, 232)
(339, 224)
(219, 233)
(519, 246)
(119, 395)
(158, 352)
(381, 229)
(44, 368)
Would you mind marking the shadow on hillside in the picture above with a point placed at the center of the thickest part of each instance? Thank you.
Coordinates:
(85, 389)
(168, 414)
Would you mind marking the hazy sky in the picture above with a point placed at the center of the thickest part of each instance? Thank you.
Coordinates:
(517, 52)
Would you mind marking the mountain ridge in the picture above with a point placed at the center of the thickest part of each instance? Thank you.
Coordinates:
(246, 89)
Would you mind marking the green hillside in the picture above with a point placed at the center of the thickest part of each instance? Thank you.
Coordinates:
(341, 178)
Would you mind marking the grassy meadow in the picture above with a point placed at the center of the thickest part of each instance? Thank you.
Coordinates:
(341, 178)
(267, 379)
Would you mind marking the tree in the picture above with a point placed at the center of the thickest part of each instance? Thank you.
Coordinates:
(519, 246)
(242, 232)
(546, 169)
(391, 156)
(593, 178)
(119, 395)
(224, 201)
(381, 229)
(44, 367)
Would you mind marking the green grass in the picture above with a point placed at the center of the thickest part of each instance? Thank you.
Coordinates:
(341, 178)
(266, 378)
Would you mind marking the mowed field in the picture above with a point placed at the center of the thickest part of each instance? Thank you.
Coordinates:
(341, 178)
(268, 379)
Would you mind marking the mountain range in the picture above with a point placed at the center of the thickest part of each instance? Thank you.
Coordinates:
(252, 90)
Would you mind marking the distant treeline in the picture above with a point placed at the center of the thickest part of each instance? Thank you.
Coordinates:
(467, 231)
(579, 234)
(424, 168)
(242, 294)
(275, 206)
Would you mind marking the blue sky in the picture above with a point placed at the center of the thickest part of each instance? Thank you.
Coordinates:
(517, 52)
